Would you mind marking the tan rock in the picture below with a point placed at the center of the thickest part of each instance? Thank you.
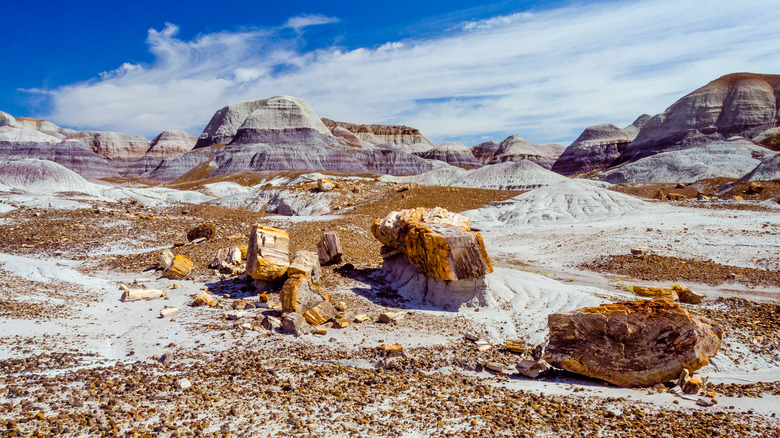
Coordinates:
(392, 350)
(693, 385)
(325, 184)
(320, 314)
(637, 343)
(180, 268)
(687, 296)
(532, 368)
(675, 196)
(271, 323)
(244, 251)
(203, 298)
(438, 243)
(340, 323)
(739, 198)
(515, 346)
(202, 231)
(294, 324)
(329, 248)
(655, 292)
(388, 317)
(166, 259)
(305, 263)
(143, 294)
(360, 318)
(299, 294)
(269, 253)
(641, 250)
(169, 312)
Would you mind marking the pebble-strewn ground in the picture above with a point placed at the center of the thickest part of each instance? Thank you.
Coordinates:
(269, 384)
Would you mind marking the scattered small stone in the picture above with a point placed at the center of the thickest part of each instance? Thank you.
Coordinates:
(169, 312)
(183, 384)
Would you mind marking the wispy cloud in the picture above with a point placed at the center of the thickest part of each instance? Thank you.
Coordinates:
(306, 20)
(545, 75)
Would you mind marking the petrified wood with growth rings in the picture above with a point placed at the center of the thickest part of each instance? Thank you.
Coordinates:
(268, 255)
(636, 343)
(439, 243)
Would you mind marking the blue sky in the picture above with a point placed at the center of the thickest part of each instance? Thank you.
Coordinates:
(457, 70)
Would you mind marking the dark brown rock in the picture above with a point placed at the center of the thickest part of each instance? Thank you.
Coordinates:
(206, 231)
(637, 343)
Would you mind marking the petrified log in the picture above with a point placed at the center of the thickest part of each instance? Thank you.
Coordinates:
(329, 248)
(299, 294)
(655, 292)
(143, 294)
(325, 184)
(169, 312)
(205, 231)
(685, 295)
(180, 268)
(439, 243)
(269, 253)
(636, 343)
(320, 314)
(305, 263)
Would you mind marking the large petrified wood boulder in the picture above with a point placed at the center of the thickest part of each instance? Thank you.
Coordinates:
(439, 243)
(636, 343)
(179, 268)
(269, 253)
(299, 295)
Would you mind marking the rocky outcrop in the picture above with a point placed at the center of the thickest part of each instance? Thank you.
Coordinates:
(637, 343)
(280, 133)
(401, 137)
(43, 126)
(43, 176)
(510, 175)
(720, 159)
(598, 147)
(455, 154)
(633, 129)
(769, 139)
(171, 142)
(7, 120)
(516, 148)
(767, 170)
(741, 104)
(120, 149)
(439, 243)
(348, 136)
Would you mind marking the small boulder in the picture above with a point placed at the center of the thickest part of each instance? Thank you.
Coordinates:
(204, 299)
(655, 292)
(165, 259)
(294, 324)
(329, 248)
(325, 185)
(305, 263)
(320, 314)
(202, 231)
(532, 368)
(180, 268)
(271, 323)
(687, 296)
(299, 294)
(515, 346)
(630, 344)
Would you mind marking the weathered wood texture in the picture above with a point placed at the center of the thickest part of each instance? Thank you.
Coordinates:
(268, 256)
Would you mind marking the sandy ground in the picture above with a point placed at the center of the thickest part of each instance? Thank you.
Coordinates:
(536, 274)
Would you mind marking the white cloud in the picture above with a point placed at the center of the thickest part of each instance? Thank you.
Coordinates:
(301, 21)
(545, 76)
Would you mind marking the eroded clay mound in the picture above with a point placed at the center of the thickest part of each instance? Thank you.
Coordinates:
(727, 159)
(570, 200)
(42, 176)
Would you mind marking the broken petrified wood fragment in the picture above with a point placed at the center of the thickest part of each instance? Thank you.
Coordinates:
(165, 259)
(143, 294)
(655, 292)
(299, 294)
(329, 248)
(320, 314)
(294, 324)
(205, 231)
(305, 263)
(636, 343)
(180, 268)
(204, 299)
(269, 253)
(439, 243)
